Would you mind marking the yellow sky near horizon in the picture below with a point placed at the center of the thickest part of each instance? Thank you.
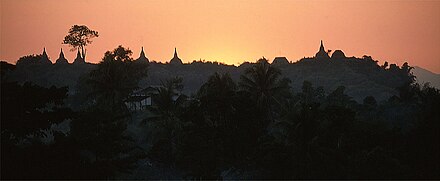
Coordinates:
(227, 31)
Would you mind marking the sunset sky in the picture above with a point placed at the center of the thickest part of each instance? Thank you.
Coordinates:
(227, 31)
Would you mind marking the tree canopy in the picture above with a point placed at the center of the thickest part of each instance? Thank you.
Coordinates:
(80, 36)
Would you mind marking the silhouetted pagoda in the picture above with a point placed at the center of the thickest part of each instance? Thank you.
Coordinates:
(280, 61)
(142, 57)
(61, 59)
(175, 60)
(44, 58)
(79, 59)
(322, 54)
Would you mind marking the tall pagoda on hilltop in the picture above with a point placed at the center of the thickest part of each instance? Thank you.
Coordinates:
(322, 54)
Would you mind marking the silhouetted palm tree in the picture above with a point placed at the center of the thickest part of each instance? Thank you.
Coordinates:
(217, 98)
(167, 108)
(165, 119)
(169, 98)
(265, 85)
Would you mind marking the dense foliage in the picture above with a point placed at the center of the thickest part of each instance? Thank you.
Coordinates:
(254, 128)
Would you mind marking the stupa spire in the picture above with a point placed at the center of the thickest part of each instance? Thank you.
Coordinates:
(321, 48)
(175, 52)
(61, 53)
(142, 57)
(142, 52)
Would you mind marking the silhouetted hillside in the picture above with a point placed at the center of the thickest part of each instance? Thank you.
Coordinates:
(424, 76)
(52, 74)
(361, 76)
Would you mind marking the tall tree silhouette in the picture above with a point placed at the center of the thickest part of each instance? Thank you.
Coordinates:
(80, 36)
(100, 126)
(115, 78)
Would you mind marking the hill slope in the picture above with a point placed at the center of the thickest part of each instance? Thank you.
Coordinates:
(361, 76)
(424, 76)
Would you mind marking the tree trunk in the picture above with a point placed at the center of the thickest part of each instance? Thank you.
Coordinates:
(83, 53)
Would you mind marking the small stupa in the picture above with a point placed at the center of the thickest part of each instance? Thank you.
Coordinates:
(44, 58)
(61, 59)
(175, 60)
(142, 57)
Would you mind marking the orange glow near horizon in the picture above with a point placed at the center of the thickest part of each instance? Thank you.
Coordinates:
(227, 31)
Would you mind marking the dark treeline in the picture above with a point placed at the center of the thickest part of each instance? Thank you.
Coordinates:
(255, 127)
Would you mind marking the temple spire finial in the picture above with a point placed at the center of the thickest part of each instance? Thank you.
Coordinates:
(44, 52)
(61, 53)
(175, 52)
(142, 54)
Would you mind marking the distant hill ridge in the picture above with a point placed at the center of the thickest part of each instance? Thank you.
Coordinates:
(424, 76)
(361, 76)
